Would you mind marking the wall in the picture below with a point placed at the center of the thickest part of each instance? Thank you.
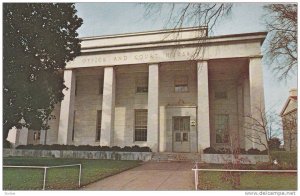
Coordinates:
(143, 156)
(127, 100)
(88, 100)
(228, 76)
(169, 98)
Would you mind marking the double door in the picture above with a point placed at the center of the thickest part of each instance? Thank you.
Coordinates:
(181, 134)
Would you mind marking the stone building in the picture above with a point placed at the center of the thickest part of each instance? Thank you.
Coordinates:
(289, 121)
(171, 90)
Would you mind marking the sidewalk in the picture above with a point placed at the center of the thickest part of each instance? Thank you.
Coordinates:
(149, 177)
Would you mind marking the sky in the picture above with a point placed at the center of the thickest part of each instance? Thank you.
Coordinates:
(115, 18)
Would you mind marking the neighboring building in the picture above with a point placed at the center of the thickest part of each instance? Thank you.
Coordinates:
(158, 89)
(289, 121)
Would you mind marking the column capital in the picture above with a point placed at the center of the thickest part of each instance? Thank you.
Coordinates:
(255, 57)
(153, 63)
(202, 60)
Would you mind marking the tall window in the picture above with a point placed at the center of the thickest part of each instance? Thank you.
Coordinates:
(142, 85)
(98, 127)
(73, 130)
(181, 84)
(36, 135)
(100, 83)
(221, 127)
(140, 132)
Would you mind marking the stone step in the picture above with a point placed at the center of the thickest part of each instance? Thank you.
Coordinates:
(171, 156)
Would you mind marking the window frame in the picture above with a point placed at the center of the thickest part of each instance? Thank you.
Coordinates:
(98, 125)
(177, 83)
(140, 129)
(138, 82)
(227, 134)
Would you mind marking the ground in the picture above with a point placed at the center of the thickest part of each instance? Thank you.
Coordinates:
(58, 178)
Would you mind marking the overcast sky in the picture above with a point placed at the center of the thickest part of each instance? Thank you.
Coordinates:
(116, 18)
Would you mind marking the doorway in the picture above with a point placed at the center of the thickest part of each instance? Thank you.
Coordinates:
(181, 133)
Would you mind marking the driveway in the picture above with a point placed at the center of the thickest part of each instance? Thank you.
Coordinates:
(149, 177)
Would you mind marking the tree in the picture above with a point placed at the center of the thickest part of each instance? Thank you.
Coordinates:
(181, 15)
(189, 14)
(262, 128)
(281, 22)
(281, 48)
(38, 40)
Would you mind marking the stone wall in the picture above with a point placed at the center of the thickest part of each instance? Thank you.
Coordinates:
(225, 158)
(143, 156)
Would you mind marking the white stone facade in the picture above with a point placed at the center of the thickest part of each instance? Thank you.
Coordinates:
(214, 87)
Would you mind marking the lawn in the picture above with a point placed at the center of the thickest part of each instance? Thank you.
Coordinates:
(249, 181)
(58, 178)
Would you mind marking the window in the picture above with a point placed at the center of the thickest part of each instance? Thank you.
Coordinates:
(73, 130)
(140, 132)
(221, 127)
(221, 95)
(181, 84)
(98, 126)
(100, 83)
(76, 86)
(36, 135)
(142, 85)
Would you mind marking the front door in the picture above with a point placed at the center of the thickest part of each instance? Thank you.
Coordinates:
(181, 134)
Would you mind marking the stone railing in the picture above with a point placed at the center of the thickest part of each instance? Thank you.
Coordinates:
(143, 156)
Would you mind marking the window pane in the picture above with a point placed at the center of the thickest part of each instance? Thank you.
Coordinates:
(181, 84)
(177, 137)
(186, 124)
(142, 85)
(140, 133)
(185, 137)
(98, 129)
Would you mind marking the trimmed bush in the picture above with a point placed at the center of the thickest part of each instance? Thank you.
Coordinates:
(252, 151)
(7, 144)
(84, 148)
(210, 150)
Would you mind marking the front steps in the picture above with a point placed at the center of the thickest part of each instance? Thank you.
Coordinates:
(174, 156)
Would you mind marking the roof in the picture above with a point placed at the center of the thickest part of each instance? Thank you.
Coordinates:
(289, 106)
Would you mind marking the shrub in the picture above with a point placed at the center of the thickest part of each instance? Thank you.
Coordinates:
(253, 151)
(84, 148)
(7, 144)
(210, 150)
(285, 158)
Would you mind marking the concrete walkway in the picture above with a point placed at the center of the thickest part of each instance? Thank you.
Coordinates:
(150, 176)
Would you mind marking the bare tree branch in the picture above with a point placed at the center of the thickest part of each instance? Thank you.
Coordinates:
(281, 49)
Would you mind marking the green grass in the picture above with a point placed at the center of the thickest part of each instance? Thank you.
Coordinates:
(58, 178)
(249, 181)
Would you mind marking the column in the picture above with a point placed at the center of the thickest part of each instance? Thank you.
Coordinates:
(23, 136)
(108, 107)
(257, 104)
(203, 106)
(43, 137)
(67, 109)
(153, 109)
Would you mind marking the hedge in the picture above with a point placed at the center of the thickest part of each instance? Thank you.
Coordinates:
(85, 148)
(252, 151)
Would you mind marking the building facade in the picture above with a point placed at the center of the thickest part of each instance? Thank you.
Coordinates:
(289, 121)
(171, 90)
